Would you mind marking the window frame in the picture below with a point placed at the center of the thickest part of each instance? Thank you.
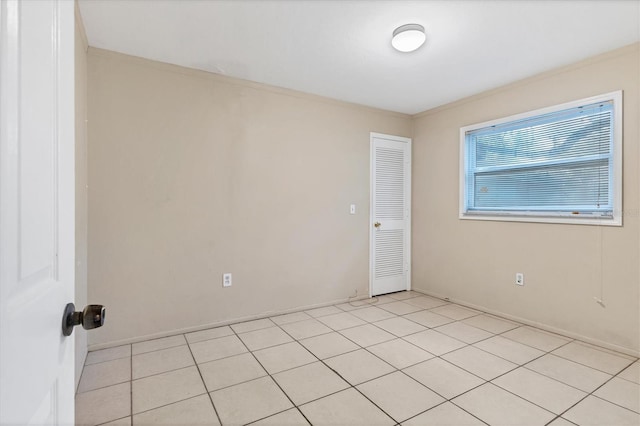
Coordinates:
(550, 217)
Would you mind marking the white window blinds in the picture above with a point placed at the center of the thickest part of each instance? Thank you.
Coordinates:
(550, 164)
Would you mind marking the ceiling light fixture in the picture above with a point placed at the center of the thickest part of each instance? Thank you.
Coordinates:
(408, 38)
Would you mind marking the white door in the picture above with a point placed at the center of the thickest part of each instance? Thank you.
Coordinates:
(390, 241)
(37, 210)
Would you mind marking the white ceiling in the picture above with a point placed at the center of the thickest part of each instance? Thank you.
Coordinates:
(342, 49)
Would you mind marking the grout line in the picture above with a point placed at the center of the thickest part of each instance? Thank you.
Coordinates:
(204, 383)
(395, 369)
(86, 363)
(596, 396)
(159, 349)
(271, 377)
(115, 420)
(168, 404)
(339, 375)
(442, 403)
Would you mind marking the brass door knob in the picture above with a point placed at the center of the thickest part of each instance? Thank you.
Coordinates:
(377, 224)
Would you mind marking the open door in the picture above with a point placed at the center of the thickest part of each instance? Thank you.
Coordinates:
(37, 210)
(390, 241)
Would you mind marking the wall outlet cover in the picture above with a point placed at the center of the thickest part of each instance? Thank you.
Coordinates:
(226, 280)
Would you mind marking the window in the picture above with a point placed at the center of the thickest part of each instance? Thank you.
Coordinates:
(559, 164)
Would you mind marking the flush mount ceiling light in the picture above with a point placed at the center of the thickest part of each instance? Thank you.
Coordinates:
(408, 38)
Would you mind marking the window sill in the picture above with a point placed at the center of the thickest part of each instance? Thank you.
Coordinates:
(536, 218)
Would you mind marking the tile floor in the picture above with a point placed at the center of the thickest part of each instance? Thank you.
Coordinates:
(407, 359)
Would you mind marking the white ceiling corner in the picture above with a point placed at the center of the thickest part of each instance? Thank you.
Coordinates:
(342, 49)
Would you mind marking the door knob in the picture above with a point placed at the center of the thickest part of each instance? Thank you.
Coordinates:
(377, 224)
(92, 316)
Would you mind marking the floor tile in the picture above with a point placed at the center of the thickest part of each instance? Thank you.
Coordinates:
(109, 354)
(383, 300)
(150, 363)
(341, 321)
(399, 396)
(249, 401)
(105, 374)
(480, 363)
(230, 371)
(372, 314)
(320, 312)
(536, 338)
(464, 332)
(284, 357)
(509, 349)
(631, 373)
(328, 345)
(444, 377)
(445, 414)
(166, 388)
(426, 302)
(264, 338)
(455, 312)
(347, 407)
(499, 407)
(367, 335)
(210, 350)
(244, 327)
(574, 374)
(541, 390)
(309, 382)
(491, 324)
(308, 328)
(561, 422)
(291, 417)
(592, 357)
(400, 308)
(125, 421)
(103, 405)
(211, 333)
(286, 319)
(593, 411)
(356, 304)
(621, 392)
(359, 366)
(404, 295)
(157, 344)
(428, 319)
(193, 411)
(434, 342)
(399, 326)
(399, 353)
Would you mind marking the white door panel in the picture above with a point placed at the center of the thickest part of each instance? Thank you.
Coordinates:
(390, 213)
(37, 210)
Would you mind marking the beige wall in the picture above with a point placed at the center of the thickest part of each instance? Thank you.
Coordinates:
(564, 265)
(193, 175)
(81, 186)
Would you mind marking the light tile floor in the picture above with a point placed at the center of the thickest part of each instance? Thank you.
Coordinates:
(406, 359)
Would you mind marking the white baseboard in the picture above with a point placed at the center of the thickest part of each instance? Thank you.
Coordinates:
(562, 332)
(98, 346)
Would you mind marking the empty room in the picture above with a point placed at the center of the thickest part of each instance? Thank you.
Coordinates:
(290, 212)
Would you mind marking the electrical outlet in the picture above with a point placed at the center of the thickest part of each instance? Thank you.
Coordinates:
(226, 280)
(519, 278)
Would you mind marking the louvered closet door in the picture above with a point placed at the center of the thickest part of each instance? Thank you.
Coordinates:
(390, 213)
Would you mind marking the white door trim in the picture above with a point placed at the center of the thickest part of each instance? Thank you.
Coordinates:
(408, 141)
